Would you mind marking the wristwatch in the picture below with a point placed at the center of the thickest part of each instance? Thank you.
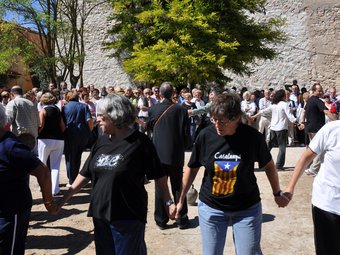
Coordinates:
(169, 202)
(278, 194)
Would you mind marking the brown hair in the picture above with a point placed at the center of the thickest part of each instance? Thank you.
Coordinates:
(227, 104)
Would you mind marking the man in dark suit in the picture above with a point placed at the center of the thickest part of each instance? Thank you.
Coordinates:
(168, 122)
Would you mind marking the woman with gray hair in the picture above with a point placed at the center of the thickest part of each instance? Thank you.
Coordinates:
(117, 165)
(16, 163)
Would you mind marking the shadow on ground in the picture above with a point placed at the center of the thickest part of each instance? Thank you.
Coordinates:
(69, 241)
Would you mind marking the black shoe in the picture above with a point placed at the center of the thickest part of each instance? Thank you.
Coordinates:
(183, 224)
(57, 194)
(161, 226)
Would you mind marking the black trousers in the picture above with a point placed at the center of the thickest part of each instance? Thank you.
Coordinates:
(75, 144)
(326, 232)
(175, 174)
(13, 232)
(279, 138)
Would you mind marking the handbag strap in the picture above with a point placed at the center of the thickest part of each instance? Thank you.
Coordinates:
(162, 115)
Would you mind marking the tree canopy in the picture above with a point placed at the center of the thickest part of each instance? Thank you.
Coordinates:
(60, 25)
(191, 41)
(13, 47)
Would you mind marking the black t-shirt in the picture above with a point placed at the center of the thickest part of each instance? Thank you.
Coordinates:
(117, 171)
(16, 162)
(315, 114)
(52, 129)
(229, 182)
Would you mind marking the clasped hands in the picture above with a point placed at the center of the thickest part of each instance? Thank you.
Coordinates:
(54, 206)
(284, 199)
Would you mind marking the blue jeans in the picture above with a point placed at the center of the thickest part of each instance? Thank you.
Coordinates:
(120, 237)
(246, 226)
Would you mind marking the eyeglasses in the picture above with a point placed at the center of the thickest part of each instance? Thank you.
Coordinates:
(221, 121)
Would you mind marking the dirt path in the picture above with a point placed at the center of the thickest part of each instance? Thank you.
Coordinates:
(287, 231)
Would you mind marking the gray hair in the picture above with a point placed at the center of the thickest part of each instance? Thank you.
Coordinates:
(118, 108)
(166, 90)
(3, 116)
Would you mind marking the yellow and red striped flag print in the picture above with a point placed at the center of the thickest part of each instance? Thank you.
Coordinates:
(225, 177)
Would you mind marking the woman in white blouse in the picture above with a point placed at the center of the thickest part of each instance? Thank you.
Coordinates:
(280, 116)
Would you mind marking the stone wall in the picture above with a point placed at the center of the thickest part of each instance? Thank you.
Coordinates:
(99, 68)
(311, 53)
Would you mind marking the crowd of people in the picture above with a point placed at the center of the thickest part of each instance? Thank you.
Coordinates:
(141, 134)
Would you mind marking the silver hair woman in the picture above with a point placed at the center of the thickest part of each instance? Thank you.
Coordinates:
(119, 109)
(117, 166)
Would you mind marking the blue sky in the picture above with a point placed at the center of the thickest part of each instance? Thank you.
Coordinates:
(12, 16)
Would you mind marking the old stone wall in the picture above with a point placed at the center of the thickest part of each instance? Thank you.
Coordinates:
(99, 68)
(311, 53)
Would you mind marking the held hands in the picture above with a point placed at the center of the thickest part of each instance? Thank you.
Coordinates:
(172, 211)
(179, 207)
(251, 118)
(301, 126)
(52, 207)
(283, 199)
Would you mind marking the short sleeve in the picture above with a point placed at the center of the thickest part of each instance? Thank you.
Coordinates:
(321, 105)
(318, 143)
(263, 152)
(22, 159)
(194, 161)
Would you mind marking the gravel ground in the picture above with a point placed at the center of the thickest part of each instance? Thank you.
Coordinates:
(285, 231)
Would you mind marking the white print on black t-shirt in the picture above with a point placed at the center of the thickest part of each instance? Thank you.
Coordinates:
(108, 160)
(218, 155)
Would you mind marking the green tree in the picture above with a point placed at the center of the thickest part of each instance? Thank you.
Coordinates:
(8, 52)
(41, 17)
(14, 47)
(60, 25)
(191, 41)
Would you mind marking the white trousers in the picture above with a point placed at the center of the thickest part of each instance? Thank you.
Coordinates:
(264, 125)
(54, 150)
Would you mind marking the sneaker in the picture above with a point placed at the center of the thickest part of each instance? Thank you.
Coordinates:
(68, 185)
(308, 171)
